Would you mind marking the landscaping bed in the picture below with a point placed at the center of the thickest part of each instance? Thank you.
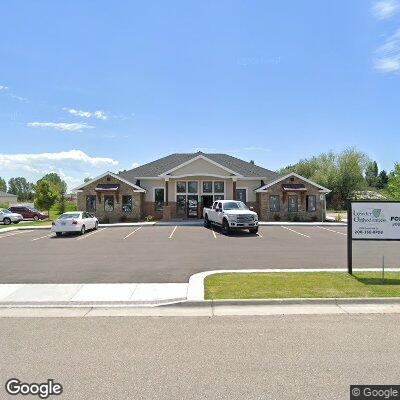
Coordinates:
(276, 285)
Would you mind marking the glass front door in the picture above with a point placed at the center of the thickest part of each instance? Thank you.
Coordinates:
(192, 205)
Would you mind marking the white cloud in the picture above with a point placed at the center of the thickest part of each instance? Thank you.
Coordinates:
(87, 114)
(388, 55)
(2, 87)
(72, 165)
(385, 8)
(135, 165)
(61, 126)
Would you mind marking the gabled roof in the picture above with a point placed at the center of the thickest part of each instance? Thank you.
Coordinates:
(136, 188)
(233, 165)
(281, 178)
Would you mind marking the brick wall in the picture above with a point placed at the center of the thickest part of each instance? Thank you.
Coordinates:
(302, 214)
(116, 215)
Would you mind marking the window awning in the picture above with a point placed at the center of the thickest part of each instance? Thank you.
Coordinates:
(107, 187)
(294, 187)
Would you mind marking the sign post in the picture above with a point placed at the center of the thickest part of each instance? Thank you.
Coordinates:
(371, 220)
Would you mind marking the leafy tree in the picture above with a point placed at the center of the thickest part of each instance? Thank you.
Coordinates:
(45, 196)
(393, 186)
(22, 188)
(252, 162)
(59, 187)
(3, 185)
(55, 180)
(371, 174)
(382, 180)
(87, 179)
(343, 173)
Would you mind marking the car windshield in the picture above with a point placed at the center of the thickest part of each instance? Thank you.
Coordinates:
(235, 205)
(5, 211)
(69, 216)
(32, 209)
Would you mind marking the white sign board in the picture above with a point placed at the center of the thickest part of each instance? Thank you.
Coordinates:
(375, 220)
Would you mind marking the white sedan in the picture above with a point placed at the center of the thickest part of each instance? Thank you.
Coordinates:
(7, 216)
(74, 221)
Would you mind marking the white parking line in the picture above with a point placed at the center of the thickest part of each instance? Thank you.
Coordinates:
(214, 234)
(299, 233)
(13, 234)
(331, 230)
(90, 234)
(172, 233)
(129, 234)
(42, 237)
(259, 235)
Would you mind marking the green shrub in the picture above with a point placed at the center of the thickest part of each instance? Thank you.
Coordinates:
(4, 205)
(149, 218)
(338, 217)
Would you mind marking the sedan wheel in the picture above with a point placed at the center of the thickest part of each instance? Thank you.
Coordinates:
(7, 221)
(36, 218)
(83, 230)
(96, 225)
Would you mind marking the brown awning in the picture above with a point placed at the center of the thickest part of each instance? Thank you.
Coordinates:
(107, 187)
(294, 186)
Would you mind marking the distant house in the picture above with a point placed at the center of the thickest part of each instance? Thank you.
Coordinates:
(8, 198)
(180, 185)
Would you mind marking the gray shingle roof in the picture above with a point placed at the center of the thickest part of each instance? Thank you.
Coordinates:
(167, 163)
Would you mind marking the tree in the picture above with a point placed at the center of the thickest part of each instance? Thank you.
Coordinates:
(252, 162)
(22, 188)
(382, 180)
(87, 179)
(393, 185)
(371, 174)
(45, 196)
(59, 187)
(55, 179)
(3, 185)
(343, 173)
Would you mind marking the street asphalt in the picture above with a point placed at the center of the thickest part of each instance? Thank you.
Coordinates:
(168, 254)
(235, 358)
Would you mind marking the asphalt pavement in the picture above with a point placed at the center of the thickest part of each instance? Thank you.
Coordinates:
(274, 357)
(172, 254)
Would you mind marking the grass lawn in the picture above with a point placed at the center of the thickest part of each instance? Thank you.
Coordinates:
(301, 284)
(30, 223)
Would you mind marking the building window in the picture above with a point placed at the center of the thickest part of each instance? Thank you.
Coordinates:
(109, 203)
(219, 187)
(181, 187)
(293, 204)
(159, 199)
(218, 197)
(91, 203)
(274, 204)
(311, 203)
(241, 195)
(127, 203)
(192, 187)
(207, 187)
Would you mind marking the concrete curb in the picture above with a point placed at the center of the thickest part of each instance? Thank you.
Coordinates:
(196, 281)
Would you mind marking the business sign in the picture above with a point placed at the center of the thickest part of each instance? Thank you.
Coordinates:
(374, 220)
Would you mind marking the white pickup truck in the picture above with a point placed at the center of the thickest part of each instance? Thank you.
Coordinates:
(230, 215)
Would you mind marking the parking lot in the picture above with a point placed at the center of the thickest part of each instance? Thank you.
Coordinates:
(174, 253)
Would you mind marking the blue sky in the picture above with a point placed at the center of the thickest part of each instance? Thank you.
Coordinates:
(87, 87)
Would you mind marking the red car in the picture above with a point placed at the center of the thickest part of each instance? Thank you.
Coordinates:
(28, 212)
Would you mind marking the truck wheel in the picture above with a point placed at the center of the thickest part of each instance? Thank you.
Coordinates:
(225, 228)
(207, 223)
(253, 230)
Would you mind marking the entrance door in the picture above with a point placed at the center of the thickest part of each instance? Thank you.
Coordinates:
(181, 205)
(192, 205)
(207, 201)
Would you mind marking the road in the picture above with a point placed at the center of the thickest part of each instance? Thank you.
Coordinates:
(168, 254)
(275, 357)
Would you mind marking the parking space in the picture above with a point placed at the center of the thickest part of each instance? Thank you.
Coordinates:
(174, 253)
